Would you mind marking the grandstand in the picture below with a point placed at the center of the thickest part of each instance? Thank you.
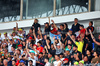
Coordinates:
(49, 32)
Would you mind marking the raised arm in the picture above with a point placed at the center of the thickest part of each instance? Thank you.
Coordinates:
(54, 25)
(16, 27)
(98, 43)
(60, 42)
(47, 44)
(71, 38)
(54, 43)
(49, 20)
(34, 34)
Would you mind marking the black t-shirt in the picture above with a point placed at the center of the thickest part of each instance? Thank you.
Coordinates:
(53, 52)
(75, 28)
(35, 26)
(47, 30)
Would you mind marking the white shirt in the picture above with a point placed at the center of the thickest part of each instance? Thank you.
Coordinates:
(55, 63)
(9, 47)
(37, 40)
(34, 61)
(47, 64)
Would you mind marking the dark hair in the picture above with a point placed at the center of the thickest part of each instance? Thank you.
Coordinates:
(82, 26)
(66, 25)
(62, 25)
(46, 58)
(76, 19)
(91, 22)
(30, 61)
(39, 42)
(41, 53)
(19, 50)
(96, 53)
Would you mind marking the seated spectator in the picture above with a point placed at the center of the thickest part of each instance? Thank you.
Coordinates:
(96, 59)
(46, 60)
(57, 62)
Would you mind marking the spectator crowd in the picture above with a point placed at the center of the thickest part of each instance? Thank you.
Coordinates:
(53, 46)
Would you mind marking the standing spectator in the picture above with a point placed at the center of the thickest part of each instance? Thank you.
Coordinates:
(35, 26)
(96, 59)
(75, 26)
(66, 27)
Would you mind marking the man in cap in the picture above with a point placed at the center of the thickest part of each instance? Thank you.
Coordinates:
(32, 57)
(22, 63)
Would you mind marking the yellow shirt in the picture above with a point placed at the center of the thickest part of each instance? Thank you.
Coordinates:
(79, 45)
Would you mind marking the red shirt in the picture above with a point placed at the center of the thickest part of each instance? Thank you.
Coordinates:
(54, 31)
(82, 31)
(40, 49)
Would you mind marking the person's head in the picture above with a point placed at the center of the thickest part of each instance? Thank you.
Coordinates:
(52, 25)
(58, 46)
(30, 62)
(49, 55)
(32, 52)
(90, 23)
(20, 46)
(5, 50)
(30, 38)
(45, 37)
(61, 26)
(61, 55)
(75, 20)
(74, 48)
(70, 46)
(5, 62)
(13, 62)
(76, 63)
(30, 31)
(70, 31)
(36, 21)
(44, 51)
(5, 34)
(82, 35)
(9, 58)
(85, 59)
(81, 27)
(95, 53)
(67, 51)
(14, 28)
(57, 57)
(46, 25)
(20, 30)
(69, 42)
(46, 60)
(88, 52)
(18, 51)
(41, 54)
(13, 33)
(22, 62)
(38, 36)
(65, 25)
(39, 43)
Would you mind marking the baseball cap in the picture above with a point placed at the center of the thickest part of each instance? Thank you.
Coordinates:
(20, 29)
(20, 45)
(22, 61)
(76, 63)
(30, 37)
(66, 59)
(31, 51)
(70, 29)
(5, 32)
(58, 44)
(67, 49)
